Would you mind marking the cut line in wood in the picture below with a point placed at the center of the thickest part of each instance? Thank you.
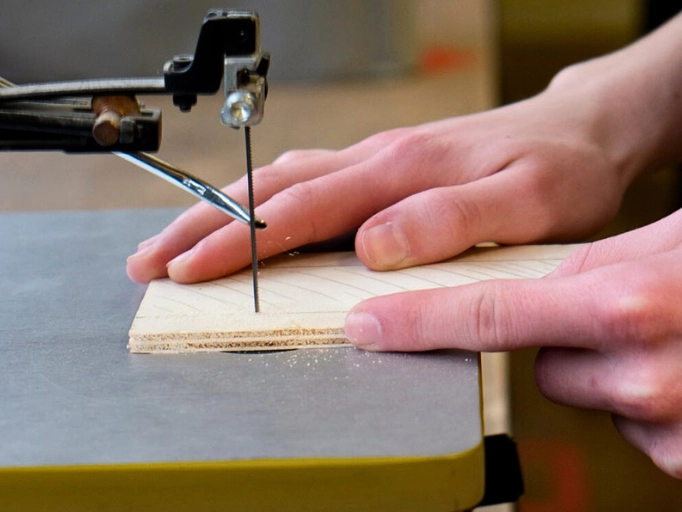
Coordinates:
(304, 298)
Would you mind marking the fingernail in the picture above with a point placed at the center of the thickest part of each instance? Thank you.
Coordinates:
(178, 260)
(363, 329)
(142, 251)
(385, 245)
(149, 242)
(144, 248)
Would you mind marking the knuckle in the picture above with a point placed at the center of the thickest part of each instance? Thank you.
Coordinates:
(417, 320)
(416, 148)
(645, 389)
(386, 138)
(269, 180)
(299, 193)
(410, 139)
(642, 398)
(489, 321)
(633, 316)
(451, 221)
(463, 219)
(424, 325)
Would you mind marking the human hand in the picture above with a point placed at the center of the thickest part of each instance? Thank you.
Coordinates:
(528, 172)
(553, 167)
(608, 321)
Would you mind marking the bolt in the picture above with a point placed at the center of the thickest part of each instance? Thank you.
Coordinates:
(107, 128)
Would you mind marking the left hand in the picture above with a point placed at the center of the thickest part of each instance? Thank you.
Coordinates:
(608, 321)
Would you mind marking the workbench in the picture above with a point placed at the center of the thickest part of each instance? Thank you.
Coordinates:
(85, 425)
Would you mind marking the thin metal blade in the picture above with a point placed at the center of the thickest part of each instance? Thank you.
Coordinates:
(252, 217)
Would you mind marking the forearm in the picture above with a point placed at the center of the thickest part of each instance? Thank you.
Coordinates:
(634, 100)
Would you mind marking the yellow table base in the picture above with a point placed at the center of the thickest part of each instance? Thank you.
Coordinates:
(445, 484)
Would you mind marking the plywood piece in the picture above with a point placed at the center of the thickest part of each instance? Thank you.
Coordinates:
(304, 298)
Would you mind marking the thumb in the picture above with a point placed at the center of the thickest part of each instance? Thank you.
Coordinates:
(442, 222)
(489, 316)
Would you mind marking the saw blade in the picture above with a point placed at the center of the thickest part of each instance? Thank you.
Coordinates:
(252, 219)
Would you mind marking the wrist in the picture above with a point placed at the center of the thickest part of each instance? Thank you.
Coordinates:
(630, 101)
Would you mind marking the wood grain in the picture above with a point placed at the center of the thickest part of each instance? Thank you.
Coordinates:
(305, 298)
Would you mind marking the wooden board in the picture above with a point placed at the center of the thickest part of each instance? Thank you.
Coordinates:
(304, 298)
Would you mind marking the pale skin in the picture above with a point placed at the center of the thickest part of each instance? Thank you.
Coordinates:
(554, 167)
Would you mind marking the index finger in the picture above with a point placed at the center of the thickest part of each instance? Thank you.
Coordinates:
(490, 316)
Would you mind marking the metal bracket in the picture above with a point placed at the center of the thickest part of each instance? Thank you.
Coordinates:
(59, 115)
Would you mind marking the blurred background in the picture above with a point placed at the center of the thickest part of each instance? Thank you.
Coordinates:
(341, 71)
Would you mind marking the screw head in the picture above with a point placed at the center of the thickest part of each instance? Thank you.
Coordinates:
(240, 106)
(182, 62)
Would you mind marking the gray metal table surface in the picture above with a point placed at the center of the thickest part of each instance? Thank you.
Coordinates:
(72, 394)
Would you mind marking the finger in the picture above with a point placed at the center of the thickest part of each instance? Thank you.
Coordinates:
(202, 219)
(660, 236)
(442, 222)
(149, 262)
(661, 442)
(629, 305)
(635, 384)
(490, 316)
(146, 243)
